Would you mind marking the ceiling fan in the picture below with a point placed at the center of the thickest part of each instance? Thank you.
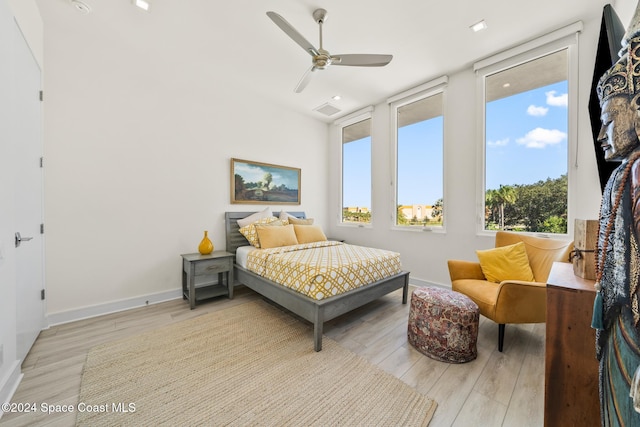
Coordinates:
(322, 58)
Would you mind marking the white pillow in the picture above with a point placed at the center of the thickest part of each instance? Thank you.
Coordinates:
(285, 216)
(266, 213)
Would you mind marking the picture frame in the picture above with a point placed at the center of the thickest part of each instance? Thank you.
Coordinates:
(264, 183)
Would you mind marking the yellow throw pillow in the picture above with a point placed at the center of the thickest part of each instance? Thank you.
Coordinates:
(274, 237)
(506, 263)
(300, 221)
(249, 231)
(309, 233)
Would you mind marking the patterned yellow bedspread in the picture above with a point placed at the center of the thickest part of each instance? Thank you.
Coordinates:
(324, 269)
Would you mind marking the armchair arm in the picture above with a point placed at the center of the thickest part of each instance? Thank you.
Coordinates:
(521, 302)
(459, 269)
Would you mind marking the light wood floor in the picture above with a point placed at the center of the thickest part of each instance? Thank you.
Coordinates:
(496, 389)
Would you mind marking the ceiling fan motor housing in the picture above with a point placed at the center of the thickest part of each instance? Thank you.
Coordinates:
(322, 60)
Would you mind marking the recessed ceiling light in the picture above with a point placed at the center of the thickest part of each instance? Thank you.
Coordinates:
(506, 85)
(142, 4)
(479, 26)
(336, 97)
(80, 6)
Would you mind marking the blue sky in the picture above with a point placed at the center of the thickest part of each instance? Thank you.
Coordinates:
(526, 138)
(356, 173)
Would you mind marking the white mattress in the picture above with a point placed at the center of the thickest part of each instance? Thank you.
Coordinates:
(242, 253)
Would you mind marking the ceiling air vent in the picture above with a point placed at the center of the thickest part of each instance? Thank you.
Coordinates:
(327, 109)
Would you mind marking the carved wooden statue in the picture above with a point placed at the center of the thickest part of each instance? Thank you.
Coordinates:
(616, 308)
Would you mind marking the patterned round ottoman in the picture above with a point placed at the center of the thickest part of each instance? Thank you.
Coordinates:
(443, 324)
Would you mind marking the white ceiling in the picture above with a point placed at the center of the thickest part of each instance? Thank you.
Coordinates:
(234, 43)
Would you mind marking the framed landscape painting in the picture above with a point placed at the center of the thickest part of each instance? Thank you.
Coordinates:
(262, 183)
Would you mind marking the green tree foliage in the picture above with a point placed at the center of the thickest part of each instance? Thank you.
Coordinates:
(402, 219)
(355, 216)
(499, 199)
(267, 178)
(539, 207)
(436, 212)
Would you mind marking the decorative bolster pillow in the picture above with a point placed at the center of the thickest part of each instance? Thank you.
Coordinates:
(300, 221)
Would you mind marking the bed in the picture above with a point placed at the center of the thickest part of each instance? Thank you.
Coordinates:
(313, 310)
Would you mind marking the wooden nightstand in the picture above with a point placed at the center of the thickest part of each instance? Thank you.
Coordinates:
(201, 270)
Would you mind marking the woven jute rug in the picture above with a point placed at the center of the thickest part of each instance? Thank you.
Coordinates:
(249, 365)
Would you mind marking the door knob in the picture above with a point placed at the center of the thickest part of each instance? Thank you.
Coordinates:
(20, 239)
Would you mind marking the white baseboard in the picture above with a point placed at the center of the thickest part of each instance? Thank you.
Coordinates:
(116, 306)
(10, 383)
(111, 307)
(421, 283)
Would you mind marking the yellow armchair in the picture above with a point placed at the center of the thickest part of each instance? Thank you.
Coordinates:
(511, 301)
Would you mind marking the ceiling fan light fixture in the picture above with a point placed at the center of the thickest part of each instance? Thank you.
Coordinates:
(479, 26)
(142, 4)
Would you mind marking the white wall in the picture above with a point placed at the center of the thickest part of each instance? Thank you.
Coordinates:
(425, 254)
(28, 17)
(137, 166)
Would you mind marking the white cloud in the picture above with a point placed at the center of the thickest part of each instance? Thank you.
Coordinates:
(557, 101)
(498, 143)
(540, 138)
(537, 111)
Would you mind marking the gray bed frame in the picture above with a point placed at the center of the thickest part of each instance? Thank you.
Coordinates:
(316, 312)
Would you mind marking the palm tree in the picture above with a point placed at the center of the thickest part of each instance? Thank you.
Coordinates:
(491, 207)
(505, 195)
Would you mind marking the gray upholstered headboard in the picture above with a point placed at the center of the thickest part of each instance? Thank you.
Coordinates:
(234, 238)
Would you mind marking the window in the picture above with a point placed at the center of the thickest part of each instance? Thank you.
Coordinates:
(418, 121)
(356, 171)
(526, 125)
(528, 133)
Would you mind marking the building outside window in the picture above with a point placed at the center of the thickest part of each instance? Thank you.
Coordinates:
(419, 159)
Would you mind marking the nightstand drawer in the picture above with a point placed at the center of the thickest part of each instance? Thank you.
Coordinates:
(212, 266)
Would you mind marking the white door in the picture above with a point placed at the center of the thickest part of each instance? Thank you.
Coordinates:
(29, 243)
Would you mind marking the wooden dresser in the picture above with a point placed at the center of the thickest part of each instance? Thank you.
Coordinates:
(571, 369)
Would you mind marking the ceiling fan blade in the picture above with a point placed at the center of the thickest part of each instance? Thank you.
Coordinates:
(293, 33)
(304, 81)
(361, 60)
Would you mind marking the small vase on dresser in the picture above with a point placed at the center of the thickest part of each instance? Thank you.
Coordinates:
(206, 246)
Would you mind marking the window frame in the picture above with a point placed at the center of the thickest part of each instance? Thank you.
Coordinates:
(432, 88)
(341, 123)
(563, 39)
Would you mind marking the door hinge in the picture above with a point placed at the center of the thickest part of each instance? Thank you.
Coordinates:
(41, 228)
(41, 162)
(42, 294)
(41, 95)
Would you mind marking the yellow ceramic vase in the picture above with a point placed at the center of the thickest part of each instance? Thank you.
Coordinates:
(206, 246)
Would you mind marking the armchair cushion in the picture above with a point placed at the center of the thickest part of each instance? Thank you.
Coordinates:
(506, 263)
